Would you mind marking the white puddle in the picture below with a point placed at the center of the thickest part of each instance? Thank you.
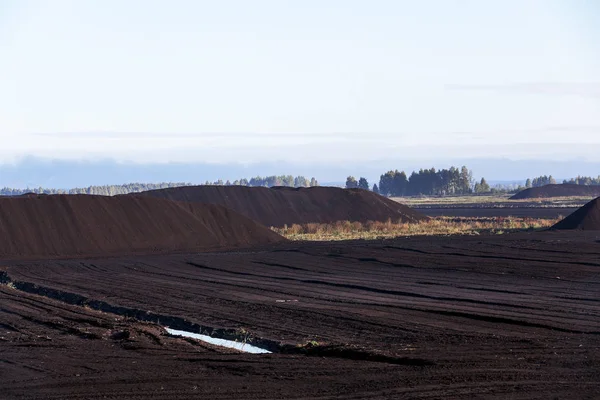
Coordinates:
(246, 348)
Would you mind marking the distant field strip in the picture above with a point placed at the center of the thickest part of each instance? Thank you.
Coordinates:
(491, 201)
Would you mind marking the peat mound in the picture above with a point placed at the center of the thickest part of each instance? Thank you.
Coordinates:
(84, 225)
(560, 190)
(31, 194)
(279, 206)
(586, 218)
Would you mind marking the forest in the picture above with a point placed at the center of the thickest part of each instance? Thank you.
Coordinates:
(451, 181)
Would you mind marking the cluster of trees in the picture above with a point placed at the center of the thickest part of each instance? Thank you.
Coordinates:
(451, 181)
(362, 183)
(540, 181)
(549, 180)
(482, 187)
(104, 190)
(269, 181)
(584, 180)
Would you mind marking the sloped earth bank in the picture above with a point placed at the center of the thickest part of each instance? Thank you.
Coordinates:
(279, 206)
(558, 190)
(82, 225)
(514, 316)
(585, 218)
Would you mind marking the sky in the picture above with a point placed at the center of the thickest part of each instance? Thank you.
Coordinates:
(311, 81)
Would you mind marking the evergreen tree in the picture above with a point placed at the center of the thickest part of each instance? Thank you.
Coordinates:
(466, 180)
(363, 183)
(482, 187)
(400, 184)
(386, 183)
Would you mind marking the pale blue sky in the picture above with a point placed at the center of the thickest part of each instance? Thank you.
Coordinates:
(304, 80)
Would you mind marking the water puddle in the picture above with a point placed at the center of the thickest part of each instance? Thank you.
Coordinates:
(244, 347)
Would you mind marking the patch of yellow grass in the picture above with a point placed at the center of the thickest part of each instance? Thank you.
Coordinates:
(346, 230)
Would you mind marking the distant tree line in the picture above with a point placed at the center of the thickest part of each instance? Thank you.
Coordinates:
(269, 181)
(451, 181)
(104, 190)
(112, 190)
(584, 180)
(549, 180)
(540, 181)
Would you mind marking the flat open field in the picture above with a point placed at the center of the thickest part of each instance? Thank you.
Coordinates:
(492, 200)
(511, 316)
(487, 212)
(494, 206)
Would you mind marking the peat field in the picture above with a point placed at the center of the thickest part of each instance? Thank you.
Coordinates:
(506, 316)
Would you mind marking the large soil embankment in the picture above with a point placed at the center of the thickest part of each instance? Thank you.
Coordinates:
(586, 218)
(562, 190)
(279, 206)
(75, 225)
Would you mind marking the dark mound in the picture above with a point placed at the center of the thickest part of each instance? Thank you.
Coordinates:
(31, 194)
(586, 218)
(281, 205)
(562, 190)
(82, 225)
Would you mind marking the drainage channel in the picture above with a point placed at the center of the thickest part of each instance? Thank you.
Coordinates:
(177, 326)
(240, 346)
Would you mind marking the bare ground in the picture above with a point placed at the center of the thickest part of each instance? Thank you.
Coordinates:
(513, 316)
(519, 212)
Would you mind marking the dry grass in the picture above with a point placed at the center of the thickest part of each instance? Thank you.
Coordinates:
(346, 230)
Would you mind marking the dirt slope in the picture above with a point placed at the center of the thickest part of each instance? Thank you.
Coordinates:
(279, 206)
(69, 225)
(562, 190)
(586, 218)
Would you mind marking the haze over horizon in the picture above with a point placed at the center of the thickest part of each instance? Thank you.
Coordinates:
(336, 83)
